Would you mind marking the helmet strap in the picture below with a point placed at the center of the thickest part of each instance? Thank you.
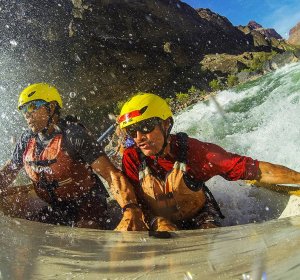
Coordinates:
(166, 134)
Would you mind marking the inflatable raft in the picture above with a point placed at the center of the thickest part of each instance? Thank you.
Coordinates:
(260, 240)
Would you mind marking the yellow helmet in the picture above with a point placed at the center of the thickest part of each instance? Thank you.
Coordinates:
(143, 106)
(40, 91)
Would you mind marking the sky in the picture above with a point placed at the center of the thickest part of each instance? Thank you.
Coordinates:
(282, 15)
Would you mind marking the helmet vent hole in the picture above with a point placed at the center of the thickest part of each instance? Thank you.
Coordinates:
(31, 93)
(143, 110)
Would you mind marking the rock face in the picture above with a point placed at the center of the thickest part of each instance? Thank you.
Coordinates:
(280, 60)
(225, 64)
(267, 32)
(264, 39)
(222, 30)
(294, 35)
(98, 52)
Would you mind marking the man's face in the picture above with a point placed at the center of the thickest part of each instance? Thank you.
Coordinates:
(148, 136)
(36, 116)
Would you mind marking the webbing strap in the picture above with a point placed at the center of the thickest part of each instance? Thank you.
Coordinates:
(183, 148)
(213, 201)
(182, 139)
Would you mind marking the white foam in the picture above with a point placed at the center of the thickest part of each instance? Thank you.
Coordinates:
(259, 119)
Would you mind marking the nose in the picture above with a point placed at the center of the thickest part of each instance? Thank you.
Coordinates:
(139, 135)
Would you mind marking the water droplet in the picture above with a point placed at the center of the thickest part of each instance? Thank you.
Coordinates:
(72, 94)
(148, 18)
(77, 58)
(246, 276)
(14, 43)
(188, 276)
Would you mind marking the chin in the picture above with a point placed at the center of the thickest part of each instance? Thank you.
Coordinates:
(34, 130)
(148, 153)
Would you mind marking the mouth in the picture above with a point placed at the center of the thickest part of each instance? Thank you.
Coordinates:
(144, 146)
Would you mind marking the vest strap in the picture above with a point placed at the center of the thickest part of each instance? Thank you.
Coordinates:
(50, 187)
(192, 184)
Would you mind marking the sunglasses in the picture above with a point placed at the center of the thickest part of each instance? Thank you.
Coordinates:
(32, 106)
(143, 127)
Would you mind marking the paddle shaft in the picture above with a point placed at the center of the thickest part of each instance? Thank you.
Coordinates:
(278, 188)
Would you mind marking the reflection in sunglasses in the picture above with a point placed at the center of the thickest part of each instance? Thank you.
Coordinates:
(144, 127)
(32, 106)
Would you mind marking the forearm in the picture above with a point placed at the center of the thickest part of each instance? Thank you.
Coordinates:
(121, 188)
(7, 175)
(277, 174)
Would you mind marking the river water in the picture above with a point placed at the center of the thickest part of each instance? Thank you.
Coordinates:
(259, 119)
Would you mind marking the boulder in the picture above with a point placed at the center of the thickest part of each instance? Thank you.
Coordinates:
(245, 76)
(280, 60)
(226, 64)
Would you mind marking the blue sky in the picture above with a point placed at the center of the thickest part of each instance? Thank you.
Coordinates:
(280, 15)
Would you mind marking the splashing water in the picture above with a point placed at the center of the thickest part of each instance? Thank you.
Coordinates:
(261, 118)
(258, 119)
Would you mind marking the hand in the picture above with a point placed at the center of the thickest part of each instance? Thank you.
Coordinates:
(132, 220)
(163, 224)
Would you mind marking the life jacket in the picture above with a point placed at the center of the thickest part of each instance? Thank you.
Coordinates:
(178, 196)
(55, 174)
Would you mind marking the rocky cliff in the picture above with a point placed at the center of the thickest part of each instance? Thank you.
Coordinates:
(100, 52)
(267, 32)
(294, 35)
(222, 30)
(264, 39)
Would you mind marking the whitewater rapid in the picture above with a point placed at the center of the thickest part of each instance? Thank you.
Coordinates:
(258, 119)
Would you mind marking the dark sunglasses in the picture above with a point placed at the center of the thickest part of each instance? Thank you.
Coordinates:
(144, 127)
(32, 106)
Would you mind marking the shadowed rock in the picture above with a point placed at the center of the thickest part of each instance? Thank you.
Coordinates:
(98, 52)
